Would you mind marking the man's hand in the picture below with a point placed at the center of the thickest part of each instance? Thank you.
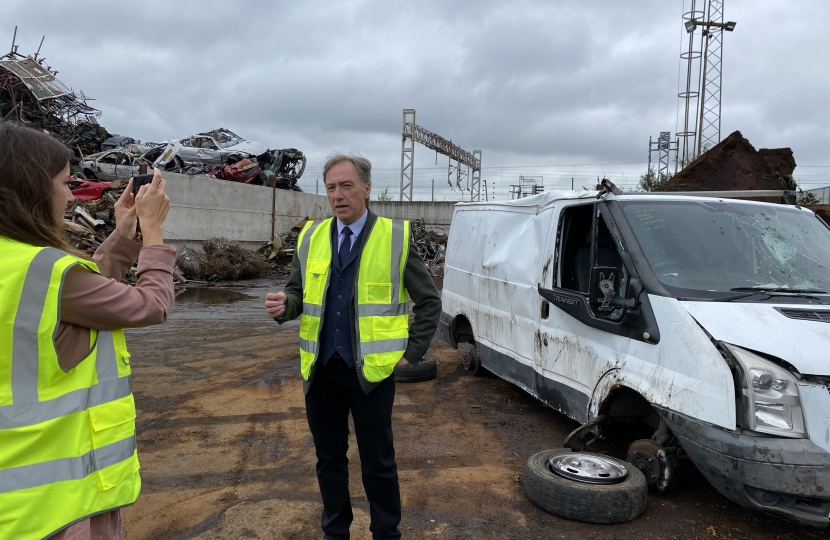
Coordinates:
(275, 304)
(402, 362)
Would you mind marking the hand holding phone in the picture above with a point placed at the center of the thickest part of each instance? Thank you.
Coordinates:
(140, 180)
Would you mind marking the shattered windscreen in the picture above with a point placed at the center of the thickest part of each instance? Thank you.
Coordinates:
(226, 139)
(723, 247)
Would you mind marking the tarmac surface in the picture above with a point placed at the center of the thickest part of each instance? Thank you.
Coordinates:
(226, 453)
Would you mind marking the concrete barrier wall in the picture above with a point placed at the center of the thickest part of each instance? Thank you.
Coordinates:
(436, 214)
(202, 208)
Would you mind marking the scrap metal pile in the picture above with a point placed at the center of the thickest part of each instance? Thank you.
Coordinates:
(88, 224)
(432, 246)
(31, 94)
(280, 250)
(285, 167)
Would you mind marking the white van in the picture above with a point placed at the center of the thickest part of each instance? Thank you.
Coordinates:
(703, 318)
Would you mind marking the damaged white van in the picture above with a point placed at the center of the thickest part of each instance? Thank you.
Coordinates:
(704, 318)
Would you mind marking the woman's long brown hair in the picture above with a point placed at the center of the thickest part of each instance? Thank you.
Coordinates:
(29, 161)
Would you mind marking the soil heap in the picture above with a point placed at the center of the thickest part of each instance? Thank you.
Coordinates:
(734, 164)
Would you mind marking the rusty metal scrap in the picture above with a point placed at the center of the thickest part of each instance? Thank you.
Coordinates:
(88, 224)
(30, 93)
(431, 245)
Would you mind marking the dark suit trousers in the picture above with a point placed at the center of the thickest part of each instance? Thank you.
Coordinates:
(334, 392)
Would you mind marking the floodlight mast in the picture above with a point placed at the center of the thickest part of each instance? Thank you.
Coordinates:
(705, 129)
(412, 133)
(710, 86)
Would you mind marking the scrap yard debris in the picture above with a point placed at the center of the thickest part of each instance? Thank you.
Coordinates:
(280, 250)
(31, 94)
(432, 246)
(221, 259)
(88, 223)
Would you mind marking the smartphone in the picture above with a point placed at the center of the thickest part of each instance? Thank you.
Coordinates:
(139, 180)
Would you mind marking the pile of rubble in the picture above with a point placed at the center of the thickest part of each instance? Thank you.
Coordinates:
(88, 224)
(280, 250)
(432, 246)
(31, 94)
(734, 164)
(220, 260)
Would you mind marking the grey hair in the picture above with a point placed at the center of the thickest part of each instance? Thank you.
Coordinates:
(363, 166)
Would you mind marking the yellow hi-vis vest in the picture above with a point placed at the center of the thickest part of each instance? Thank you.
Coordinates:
(67, 439)
(381, 301)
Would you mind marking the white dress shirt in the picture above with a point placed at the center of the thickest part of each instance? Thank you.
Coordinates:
(355, 227)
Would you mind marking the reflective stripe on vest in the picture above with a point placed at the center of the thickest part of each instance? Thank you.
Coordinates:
(381, 301)
(67, 439)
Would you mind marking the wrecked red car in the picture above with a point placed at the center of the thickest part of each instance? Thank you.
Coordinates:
(244, 171)
(88, 190)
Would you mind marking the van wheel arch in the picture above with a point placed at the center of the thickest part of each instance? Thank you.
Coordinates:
(624, 402)
(461, 331)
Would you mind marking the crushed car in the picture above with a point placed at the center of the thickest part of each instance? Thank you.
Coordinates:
(695, 325)
(219, 147)
(124, 163)
(118, 141)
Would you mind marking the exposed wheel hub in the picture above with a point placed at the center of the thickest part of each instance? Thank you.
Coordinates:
(470, 360)
(643, 455)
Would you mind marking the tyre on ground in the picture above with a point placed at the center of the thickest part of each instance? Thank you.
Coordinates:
(581, 501)
(424, 371)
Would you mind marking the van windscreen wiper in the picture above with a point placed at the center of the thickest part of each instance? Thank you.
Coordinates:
(770, 291)
(739, 296)
(779, 289)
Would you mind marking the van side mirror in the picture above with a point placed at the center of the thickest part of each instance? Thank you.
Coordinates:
(638, 324)
(604, 290)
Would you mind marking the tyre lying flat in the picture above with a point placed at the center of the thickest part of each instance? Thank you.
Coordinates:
(585, 487)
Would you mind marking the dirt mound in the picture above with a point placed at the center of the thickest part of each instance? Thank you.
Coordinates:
(221, 259)
(734, 164)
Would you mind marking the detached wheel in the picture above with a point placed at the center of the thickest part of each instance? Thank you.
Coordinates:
(426, 370)
(585, 487)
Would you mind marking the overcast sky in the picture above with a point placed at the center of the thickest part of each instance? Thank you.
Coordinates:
(555, 89)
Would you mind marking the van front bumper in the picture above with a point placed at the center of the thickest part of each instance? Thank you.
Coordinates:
(789, 478)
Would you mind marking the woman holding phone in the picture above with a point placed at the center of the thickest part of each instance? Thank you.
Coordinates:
(68, 459)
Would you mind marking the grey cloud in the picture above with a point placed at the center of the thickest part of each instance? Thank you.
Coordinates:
(528, 82)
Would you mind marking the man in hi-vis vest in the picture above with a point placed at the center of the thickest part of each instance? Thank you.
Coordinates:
(352, 279)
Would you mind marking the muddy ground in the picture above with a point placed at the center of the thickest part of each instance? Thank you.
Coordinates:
(226, 453)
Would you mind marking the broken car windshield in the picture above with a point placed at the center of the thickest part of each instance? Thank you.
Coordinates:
(702, 249)
(226, 139)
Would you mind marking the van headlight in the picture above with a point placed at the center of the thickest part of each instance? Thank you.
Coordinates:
(769, 396)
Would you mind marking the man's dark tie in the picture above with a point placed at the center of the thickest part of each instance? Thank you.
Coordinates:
(345, 246)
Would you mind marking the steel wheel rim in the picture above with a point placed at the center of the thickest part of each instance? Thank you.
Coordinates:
(587, 468)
